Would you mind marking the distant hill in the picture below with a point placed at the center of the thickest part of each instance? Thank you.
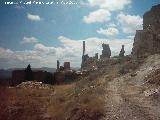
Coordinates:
(51, 70)
(75, 68)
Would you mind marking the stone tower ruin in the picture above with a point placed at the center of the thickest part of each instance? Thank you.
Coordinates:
(84, 57)
(121, 54)
(106, 52)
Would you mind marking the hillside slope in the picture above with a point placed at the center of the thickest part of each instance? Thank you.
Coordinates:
(124, 90)
(135, 96)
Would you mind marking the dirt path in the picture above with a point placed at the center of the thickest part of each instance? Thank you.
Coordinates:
(126, 100)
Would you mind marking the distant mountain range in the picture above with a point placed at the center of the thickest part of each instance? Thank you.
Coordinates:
(51, 70)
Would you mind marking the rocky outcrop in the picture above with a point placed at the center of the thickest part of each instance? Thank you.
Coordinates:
(147, 41)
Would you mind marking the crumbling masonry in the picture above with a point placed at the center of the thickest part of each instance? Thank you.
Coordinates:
(92, 63)
(147, 41)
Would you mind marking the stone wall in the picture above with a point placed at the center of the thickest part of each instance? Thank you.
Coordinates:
(147, 41)
(151, 19)
(61, 77)
(67, 65)
(40, 76)
(18, 76)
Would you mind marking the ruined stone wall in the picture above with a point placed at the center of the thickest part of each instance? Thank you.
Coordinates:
(106, 52)
(67, 65)
(61, 77)
(18, 76)
(121, 54)
(40, 76)
(151, 19)
(43, 76)
(143, 43)
(147, 41)
(91, 63)
(84, 61)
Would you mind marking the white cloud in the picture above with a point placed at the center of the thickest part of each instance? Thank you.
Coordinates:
(112, 31)
(40, 48)
(39, 56)
(131, 37)
(105, 7)
(29, 40)
(70, 50)
(129, 23)
(33, 17)
(100, 15)
(112, 25)
(9, 58)
(111, 5)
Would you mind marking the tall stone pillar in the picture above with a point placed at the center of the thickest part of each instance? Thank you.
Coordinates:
(121, 54)
(84, 47)
(58, 64)
(83, 55)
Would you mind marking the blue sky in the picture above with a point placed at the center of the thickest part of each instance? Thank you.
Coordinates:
(41, 34)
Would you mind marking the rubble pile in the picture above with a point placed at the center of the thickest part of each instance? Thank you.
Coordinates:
(35, 85)
(154, 77)
(151, 92)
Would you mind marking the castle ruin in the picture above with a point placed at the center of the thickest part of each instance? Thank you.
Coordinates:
(92, 63)
(147, 41)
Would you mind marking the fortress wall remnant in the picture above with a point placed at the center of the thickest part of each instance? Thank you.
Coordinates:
(147, 41)
(106, 52)
(67, 65)
(121, 54)
(18, 76)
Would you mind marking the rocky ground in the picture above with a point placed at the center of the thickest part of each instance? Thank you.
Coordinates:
(132, 96)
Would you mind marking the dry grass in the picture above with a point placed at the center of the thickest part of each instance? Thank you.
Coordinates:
(82, 100)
